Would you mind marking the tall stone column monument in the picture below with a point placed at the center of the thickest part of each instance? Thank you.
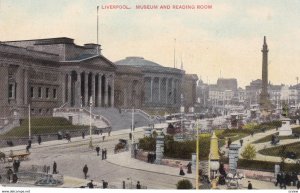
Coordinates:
(265, 103)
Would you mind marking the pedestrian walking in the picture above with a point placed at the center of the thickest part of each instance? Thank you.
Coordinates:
(29, 143)
(189, 166)
(97, 150)
(298, 184)
(241, 142)
(101, 131)
(83, 134)
(103, 138)
(181, 172)
(103, 152)
(85, 171)
(90, 184)
(249, 185)
(39, 139)
(14, 178)
(130, 135)
(135, 153)
(27, 149)
(109, 132)
(54, 168)
(104, 184)
(138, 185)
(9, 174)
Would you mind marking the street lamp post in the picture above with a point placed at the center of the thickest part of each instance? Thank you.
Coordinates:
(29, 123)
(91, 142)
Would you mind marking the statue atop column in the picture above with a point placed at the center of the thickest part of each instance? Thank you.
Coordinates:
(265, 103)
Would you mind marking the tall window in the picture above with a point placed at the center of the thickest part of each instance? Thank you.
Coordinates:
(47, 93)
(10, 91)
(32, 92)
(40, 92)
(54, 93)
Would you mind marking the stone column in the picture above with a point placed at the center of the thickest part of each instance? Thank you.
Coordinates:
(26, 86)
(86, 88)
(172, 91)
(93, 89)
(167, 92)
(78, 99)
(151, 90)
(99, 90)
(159, 149)
(112, 91)
(20, 84)
(69, 88)
(159, 91)
(106, 91)
(3, 85)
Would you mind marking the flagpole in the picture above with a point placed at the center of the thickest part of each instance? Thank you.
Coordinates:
(98, 30)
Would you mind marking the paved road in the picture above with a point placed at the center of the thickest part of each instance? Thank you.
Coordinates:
(71, 157)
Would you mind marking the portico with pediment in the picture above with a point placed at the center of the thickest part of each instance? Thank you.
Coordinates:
(91, 78)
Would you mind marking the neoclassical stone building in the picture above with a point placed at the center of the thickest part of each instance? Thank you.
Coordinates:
(55, 72)
(162, 86)
(49, 73)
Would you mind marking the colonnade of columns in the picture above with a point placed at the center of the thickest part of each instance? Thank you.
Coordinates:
(162, 90)
(81, 86)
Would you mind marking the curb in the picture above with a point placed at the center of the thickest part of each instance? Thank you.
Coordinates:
(148, 170)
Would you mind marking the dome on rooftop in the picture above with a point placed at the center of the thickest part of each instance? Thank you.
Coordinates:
(137, 61)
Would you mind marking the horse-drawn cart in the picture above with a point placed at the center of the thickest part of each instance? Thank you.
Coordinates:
(14, 156)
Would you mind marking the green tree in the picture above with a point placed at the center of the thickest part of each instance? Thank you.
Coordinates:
(249, 152)
(184, 184)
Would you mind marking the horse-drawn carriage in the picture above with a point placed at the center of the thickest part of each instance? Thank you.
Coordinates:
(14, 156)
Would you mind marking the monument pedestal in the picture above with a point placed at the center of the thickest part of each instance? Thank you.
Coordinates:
(285, 129)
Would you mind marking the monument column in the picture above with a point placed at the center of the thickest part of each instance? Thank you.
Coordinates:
(19, 84)
(4, 84)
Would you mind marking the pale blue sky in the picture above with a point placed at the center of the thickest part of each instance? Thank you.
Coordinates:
(227, 38)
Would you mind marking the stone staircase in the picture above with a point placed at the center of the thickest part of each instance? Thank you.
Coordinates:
(122, 119)
(81, 116)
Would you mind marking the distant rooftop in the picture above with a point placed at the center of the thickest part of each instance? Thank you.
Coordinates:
(136, 61)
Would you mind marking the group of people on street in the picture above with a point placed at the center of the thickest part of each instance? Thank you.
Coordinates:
(104, 152)
(189, 169)
(287, 179)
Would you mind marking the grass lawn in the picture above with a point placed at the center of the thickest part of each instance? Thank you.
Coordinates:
(269, 138)
(275, 151)
(41, 126)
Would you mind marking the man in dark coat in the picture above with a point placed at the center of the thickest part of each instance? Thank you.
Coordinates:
(54, 168)
(90, 184)
(103, 154)
(83, 134)
(138, 185)
(97, 150)
(189, 166)
(249, 185)
(39, 139)
(85, 171)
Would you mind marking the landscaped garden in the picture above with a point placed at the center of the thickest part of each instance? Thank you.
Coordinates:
(277, 151)
(42, 126)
